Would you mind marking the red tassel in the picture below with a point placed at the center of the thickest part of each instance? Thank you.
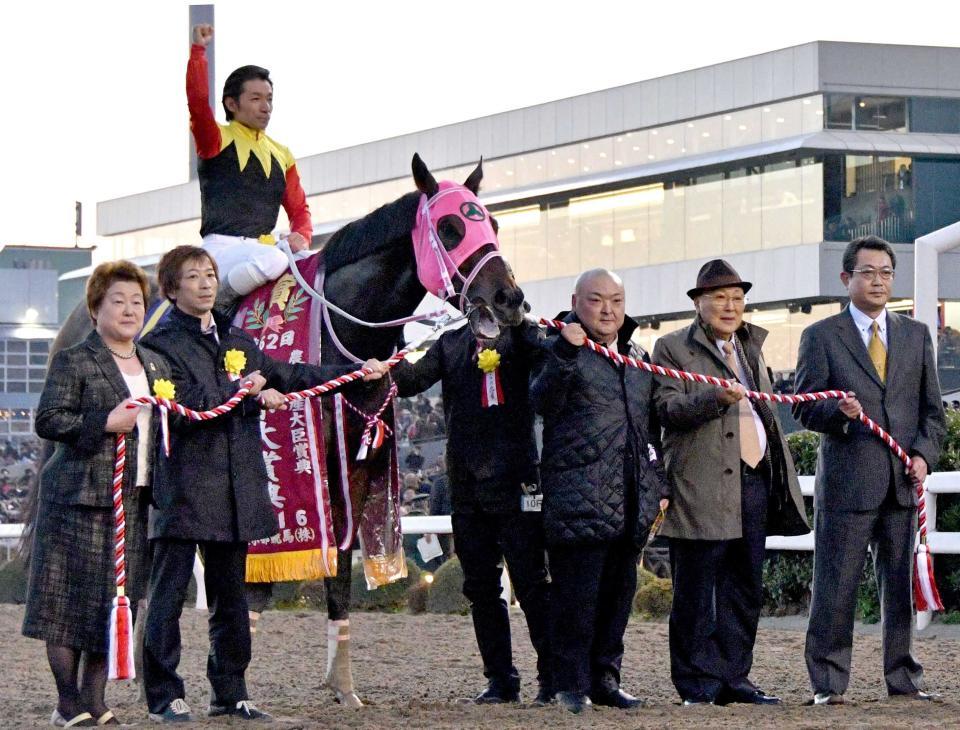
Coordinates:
(925, 593)
(120, 640)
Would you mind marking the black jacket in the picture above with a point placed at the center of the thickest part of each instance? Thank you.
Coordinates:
(83, 385)
(598, 420)
(490, 451)
(213, 486)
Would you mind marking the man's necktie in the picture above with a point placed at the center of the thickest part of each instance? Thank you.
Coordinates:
(878, 353)
(749, 438)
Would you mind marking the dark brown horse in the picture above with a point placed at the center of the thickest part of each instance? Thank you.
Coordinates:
(370, 271)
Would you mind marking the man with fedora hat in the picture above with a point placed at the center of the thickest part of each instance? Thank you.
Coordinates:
(733, 483)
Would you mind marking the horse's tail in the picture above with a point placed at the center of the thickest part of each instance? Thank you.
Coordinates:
(25, 547)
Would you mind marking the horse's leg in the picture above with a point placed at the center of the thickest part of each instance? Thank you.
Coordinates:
(339, 675)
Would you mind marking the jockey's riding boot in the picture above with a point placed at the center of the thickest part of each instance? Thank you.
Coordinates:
(339, 676)
(228, 300)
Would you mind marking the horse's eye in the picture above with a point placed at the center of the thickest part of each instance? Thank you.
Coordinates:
(451, 230)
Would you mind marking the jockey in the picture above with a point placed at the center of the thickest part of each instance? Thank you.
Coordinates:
(245, 176)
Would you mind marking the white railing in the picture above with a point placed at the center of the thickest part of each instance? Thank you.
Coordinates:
(943, 543)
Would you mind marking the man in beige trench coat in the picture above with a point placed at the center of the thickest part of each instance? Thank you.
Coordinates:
(733, 484)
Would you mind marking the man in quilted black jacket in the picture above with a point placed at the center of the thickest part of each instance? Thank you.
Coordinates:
(602, 488)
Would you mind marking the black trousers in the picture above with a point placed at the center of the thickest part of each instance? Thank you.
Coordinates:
(229, 625)
(717, 597)
(592, 593)
(483, 540)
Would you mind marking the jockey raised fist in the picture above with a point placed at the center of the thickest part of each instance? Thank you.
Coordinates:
(202, 34)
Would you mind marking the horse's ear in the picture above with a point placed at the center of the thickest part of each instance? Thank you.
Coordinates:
(426, 182)
(472, 183)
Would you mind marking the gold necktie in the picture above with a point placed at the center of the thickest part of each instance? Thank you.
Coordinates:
(749, 438)
(878, 353)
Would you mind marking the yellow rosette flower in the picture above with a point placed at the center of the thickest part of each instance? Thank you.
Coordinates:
(234, 362)
(267, 239)
(488, 360)
(164, 389)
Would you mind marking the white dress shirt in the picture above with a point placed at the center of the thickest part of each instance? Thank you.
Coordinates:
(865, 324)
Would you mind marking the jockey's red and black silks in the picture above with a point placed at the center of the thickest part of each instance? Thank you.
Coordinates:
(245, 176)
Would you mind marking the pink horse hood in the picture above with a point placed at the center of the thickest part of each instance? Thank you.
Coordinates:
(437, 266)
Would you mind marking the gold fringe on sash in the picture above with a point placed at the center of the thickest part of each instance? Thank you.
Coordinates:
(295, 565)
(380, 570)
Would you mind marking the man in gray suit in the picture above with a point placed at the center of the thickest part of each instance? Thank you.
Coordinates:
(864, 496)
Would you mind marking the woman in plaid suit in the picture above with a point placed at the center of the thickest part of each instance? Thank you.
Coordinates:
(84, 405)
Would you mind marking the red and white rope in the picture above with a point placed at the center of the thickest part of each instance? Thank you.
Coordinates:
(925, 587)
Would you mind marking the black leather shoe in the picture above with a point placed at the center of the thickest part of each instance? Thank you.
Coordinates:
(747, 697)
(245, 710)
(545, 696)
(496, 694)
(617, 698)
(827, 698)
(918, 695)
(574, 702)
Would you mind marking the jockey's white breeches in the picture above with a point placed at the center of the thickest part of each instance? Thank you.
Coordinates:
(245, 263)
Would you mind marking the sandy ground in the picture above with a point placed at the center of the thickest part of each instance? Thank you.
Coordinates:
(414, 671)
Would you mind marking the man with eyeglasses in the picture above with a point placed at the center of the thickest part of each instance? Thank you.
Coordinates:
(733, 483)
(864, 497)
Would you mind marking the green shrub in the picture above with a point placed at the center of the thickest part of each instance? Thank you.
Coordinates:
(446, 591)
(787, 578)
(390, 597)
(13, 582)
(417, 597)
(803, 448)
(654, 597)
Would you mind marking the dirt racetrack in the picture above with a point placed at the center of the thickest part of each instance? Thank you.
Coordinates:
(413, 670)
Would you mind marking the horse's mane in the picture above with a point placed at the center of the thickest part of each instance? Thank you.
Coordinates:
(367, 235)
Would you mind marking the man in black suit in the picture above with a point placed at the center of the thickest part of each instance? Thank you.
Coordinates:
(492, 465)
(864, 496)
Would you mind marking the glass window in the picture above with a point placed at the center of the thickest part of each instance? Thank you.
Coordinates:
(742, 128)
(811, 112)
(498, 174)
(531, 168)
(563, 243)
(742, 200)
(631, 235)
(840, 111)
(596, 240)
(703, 135)
(782, 120)
(596, 156)
(811, 173)
(704, 219)
(877, 199)
(782, 219)
(631, 149)
(523, 241)
(881, 113)
(563, 162)
(666, 142)
(667, 227)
